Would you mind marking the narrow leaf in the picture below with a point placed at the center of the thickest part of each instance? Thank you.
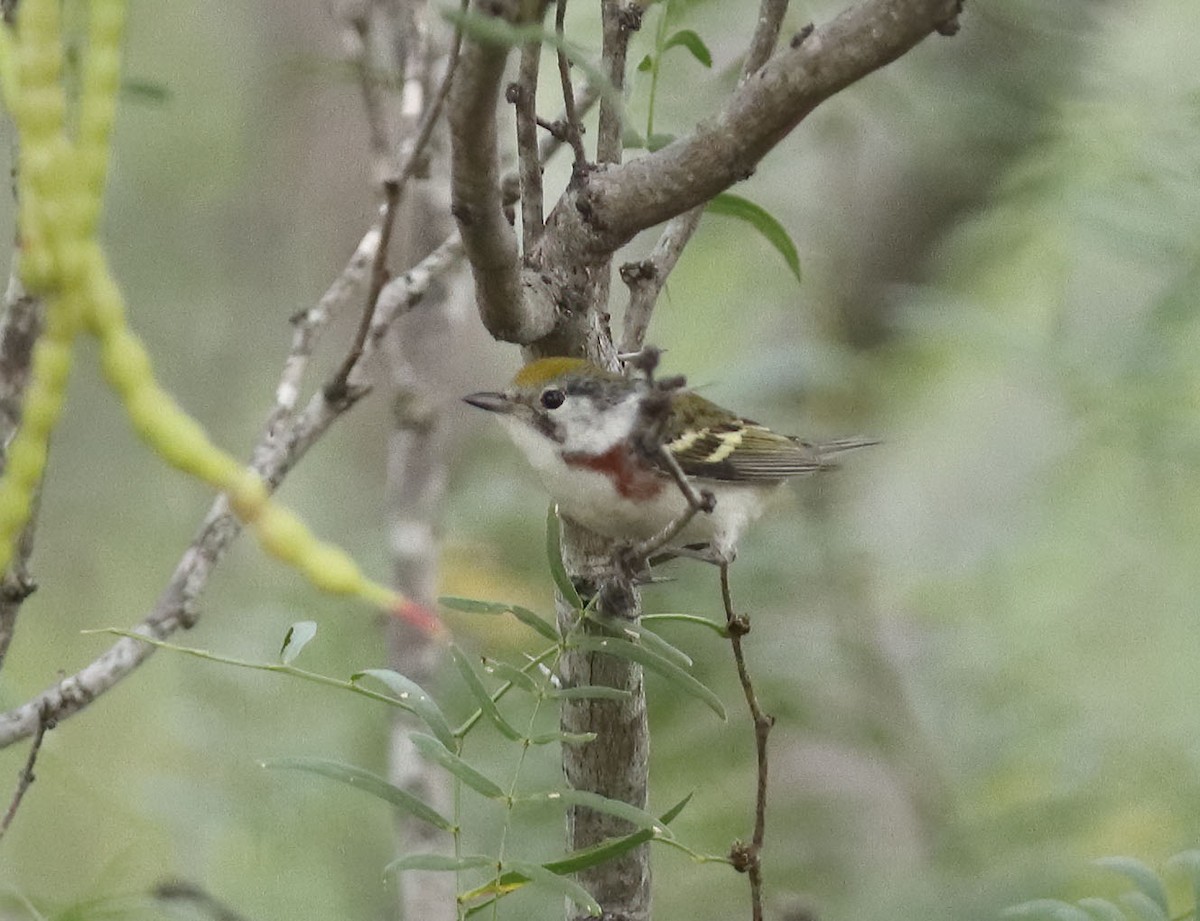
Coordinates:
(686, 38)
(1145, 879)
(471, 606)
(414, 697)
(656, 663)
(511, 673)
(439, 862)
(632, 630)
(524, 615)
(566, 738)
(434, 750)
(762, 221)
(717, 628)
(475, 685)
(367, 782)
(544, 879)
(598, 803)
(671, 814)
(554, 556)
(296, 638)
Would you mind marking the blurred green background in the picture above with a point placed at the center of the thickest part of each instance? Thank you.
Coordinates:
(980, 639)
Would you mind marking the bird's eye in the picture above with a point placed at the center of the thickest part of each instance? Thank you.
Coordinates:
(552, 399)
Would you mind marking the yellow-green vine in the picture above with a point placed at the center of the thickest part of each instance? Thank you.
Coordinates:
(60, 187)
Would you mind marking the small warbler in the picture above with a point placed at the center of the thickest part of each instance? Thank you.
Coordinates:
(585, 430)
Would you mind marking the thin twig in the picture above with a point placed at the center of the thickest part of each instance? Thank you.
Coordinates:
(414, 151)
(523, 96)
(619, 20)
(19, 329)
(26, 778)
(766, 34)
(282, 445)
(574, 128)
(336, 389)
(647, 278)
(748, 858)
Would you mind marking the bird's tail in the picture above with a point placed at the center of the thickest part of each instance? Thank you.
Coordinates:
(828, 452)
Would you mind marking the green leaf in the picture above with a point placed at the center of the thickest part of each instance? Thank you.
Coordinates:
(471, 606)
(524, 615)
(1102, 910)
(653, 661)
(1145, 879)
(367, 782)
(434, 750)
(645, 64)
(629, 629)
(598, 803)
(566, 738)
(582, 859)
(566, 587)
(296, 638)
(514, 676)
(1052, 909)
(475, 685)
(673, 813)
(686, 38)
(717, 628)
(439, 862)
(542, 878)
(589, 692)
(744, 210)
(413, 697)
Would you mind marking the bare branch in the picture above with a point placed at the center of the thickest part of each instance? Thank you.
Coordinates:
(335, 390)
(19, 329)
(26, 778)
(748, 859)
(283, 444)
(766, 34)
(619, 202)
(574, 129)
(619, 21)
(476, 198)
(523, 96)
(646, 279)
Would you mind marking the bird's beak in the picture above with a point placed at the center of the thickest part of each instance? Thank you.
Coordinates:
(491, 401)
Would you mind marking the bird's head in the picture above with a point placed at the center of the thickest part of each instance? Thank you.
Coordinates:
(570, 403)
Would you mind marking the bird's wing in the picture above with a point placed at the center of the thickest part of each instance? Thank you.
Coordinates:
(740, 449)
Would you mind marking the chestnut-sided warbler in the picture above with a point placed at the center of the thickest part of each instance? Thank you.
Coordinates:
(582, 429)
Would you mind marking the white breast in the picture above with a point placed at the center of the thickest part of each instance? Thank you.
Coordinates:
(588, 497)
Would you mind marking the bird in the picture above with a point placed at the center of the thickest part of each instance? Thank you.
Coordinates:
(596, 438)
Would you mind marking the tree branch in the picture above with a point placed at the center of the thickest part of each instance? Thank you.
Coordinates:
(476, 197)
(285, 440)
(589, 223)
(523, 96)
(19, 329)
(619, 21)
